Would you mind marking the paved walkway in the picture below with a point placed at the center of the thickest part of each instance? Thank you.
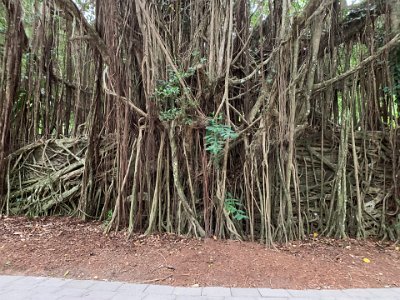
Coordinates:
(43, 288)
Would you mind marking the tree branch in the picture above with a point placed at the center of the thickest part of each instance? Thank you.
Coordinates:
(92, 36)
(392, 43)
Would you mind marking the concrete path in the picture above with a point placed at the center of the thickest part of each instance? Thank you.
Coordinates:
(43, 288)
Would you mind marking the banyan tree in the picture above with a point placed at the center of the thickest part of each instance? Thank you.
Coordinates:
(256, 120)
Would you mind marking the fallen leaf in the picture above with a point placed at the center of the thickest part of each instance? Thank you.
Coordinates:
(315, 235)
(366, 260)
(66, 273)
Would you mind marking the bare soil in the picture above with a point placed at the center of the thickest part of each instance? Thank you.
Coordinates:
(67, 247)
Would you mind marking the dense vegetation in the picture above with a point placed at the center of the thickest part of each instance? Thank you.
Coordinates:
(262, 120)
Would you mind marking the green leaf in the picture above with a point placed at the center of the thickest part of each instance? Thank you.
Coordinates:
(241, 217)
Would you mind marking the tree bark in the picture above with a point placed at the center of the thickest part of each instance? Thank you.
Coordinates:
(16, 41)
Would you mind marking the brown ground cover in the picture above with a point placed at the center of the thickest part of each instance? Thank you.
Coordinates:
(67, 247)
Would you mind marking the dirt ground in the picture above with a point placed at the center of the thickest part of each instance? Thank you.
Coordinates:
(67, 247)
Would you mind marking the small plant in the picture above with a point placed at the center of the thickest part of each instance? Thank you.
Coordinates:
(170, 114)
(217, 134)
(171, 97)
(233, 207)
(108, 219)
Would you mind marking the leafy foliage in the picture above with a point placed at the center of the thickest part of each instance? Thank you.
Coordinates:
(108, 218)
(170, 114)
(259, 11)
(395, 68)
(297, 7)
(217, 134)
(171, 97)
(233, 206)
